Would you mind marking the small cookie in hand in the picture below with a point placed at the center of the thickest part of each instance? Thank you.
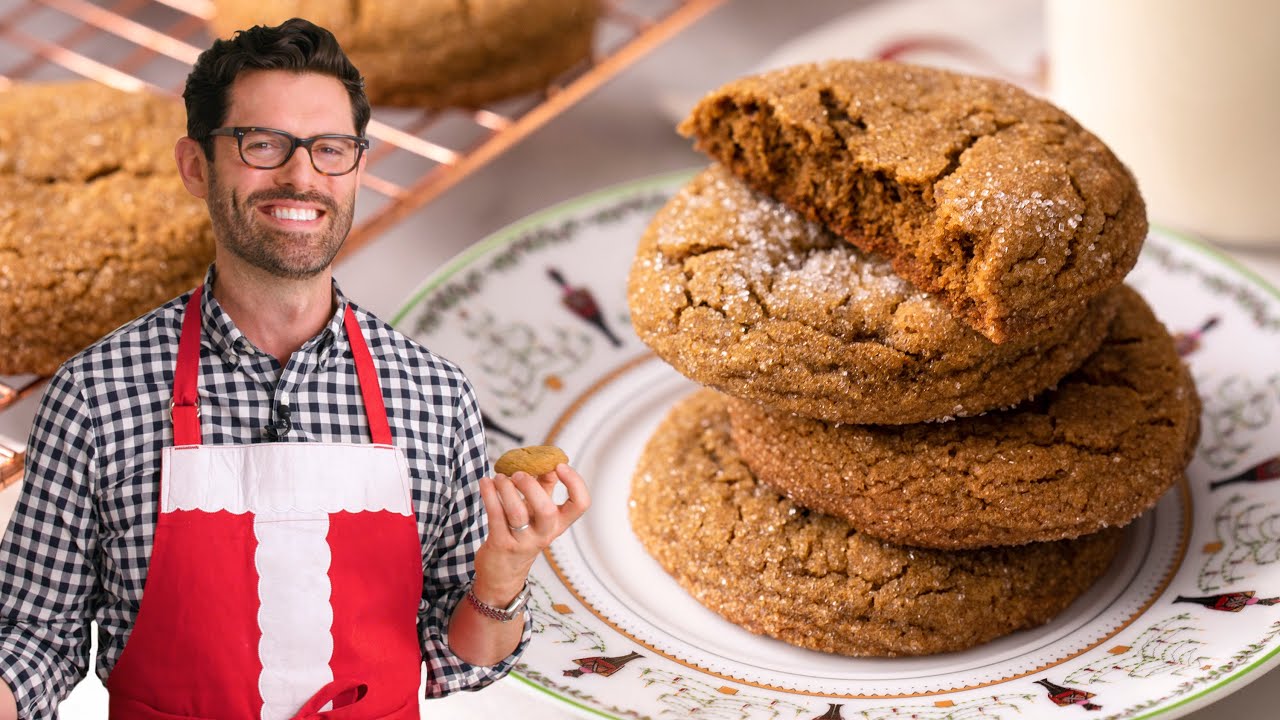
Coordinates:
(537, 460)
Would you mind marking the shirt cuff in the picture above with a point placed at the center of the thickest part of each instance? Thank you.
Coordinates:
(447, 673)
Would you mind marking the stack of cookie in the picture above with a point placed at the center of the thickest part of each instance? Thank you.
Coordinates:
(931, 403)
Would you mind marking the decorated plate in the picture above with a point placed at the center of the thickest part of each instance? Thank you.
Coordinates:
(537, 315)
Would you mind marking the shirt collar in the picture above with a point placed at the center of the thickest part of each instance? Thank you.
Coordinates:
(227, 340)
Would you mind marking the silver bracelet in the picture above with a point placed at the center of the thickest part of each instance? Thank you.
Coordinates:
(506, 614)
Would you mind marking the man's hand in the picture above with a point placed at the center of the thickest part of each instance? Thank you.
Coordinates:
(523, 521)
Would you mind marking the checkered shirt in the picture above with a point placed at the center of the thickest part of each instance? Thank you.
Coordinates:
(78, 546)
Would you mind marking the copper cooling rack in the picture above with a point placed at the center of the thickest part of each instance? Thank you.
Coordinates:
(415, 154)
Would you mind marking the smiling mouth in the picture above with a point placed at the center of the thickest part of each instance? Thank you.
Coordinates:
(294, 214)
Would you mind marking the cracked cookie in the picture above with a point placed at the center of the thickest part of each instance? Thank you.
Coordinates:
(439, 53)
(95, 224)
(739, 292)
(536, 460)
(776, 569)
(1095, 452)
(991, 198)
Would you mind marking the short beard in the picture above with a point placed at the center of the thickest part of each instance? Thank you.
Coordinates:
(257, 247)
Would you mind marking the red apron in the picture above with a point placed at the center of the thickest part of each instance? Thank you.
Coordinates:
(284, 578)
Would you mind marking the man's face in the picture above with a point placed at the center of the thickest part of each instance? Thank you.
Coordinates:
(289, 221)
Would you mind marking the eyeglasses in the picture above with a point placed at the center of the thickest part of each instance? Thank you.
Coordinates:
(267, 149)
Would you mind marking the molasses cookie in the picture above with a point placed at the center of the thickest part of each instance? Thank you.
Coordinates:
(536, 460)
(776, 569)
(1093, 453)
(439, 53)
(995, 200)
(739, 292)
(96, 227)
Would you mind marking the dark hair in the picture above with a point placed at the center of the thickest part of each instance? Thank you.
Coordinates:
(296, 45)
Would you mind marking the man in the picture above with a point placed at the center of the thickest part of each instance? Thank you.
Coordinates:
(298, 485)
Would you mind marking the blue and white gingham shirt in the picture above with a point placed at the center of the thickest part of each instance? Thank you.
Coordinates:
(78, 546)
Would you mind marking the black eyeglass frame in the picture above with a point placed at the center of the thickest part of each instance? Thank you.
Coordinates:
(296, 142)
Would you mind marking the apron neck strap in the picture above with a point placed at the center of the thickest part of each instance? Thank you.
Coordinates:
(186, 378)
(370, 388)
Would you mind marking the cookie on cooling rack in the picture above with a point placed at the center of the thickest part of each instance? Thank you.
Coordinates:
(774, 568)
(438, 53)
(992, 198)
(1094, 452)
(739, 292)
(96, 227)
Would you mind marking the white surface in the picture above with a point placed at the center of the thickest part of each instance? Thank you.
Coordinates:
(1004, 49)
(619, 133)
(1172, 87)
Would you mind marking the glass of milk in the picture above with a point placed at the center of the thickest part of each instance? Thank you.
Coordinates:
(1187, 94)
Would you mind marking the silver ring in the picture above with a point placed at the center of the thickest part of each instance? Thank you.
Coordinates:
(518, 529)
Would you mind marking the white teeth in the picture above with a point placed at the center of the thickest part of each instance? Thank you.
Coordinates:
(294, 213)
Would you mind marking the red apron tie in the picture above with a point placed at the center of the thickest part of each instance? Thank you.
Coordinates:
(343, 693)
